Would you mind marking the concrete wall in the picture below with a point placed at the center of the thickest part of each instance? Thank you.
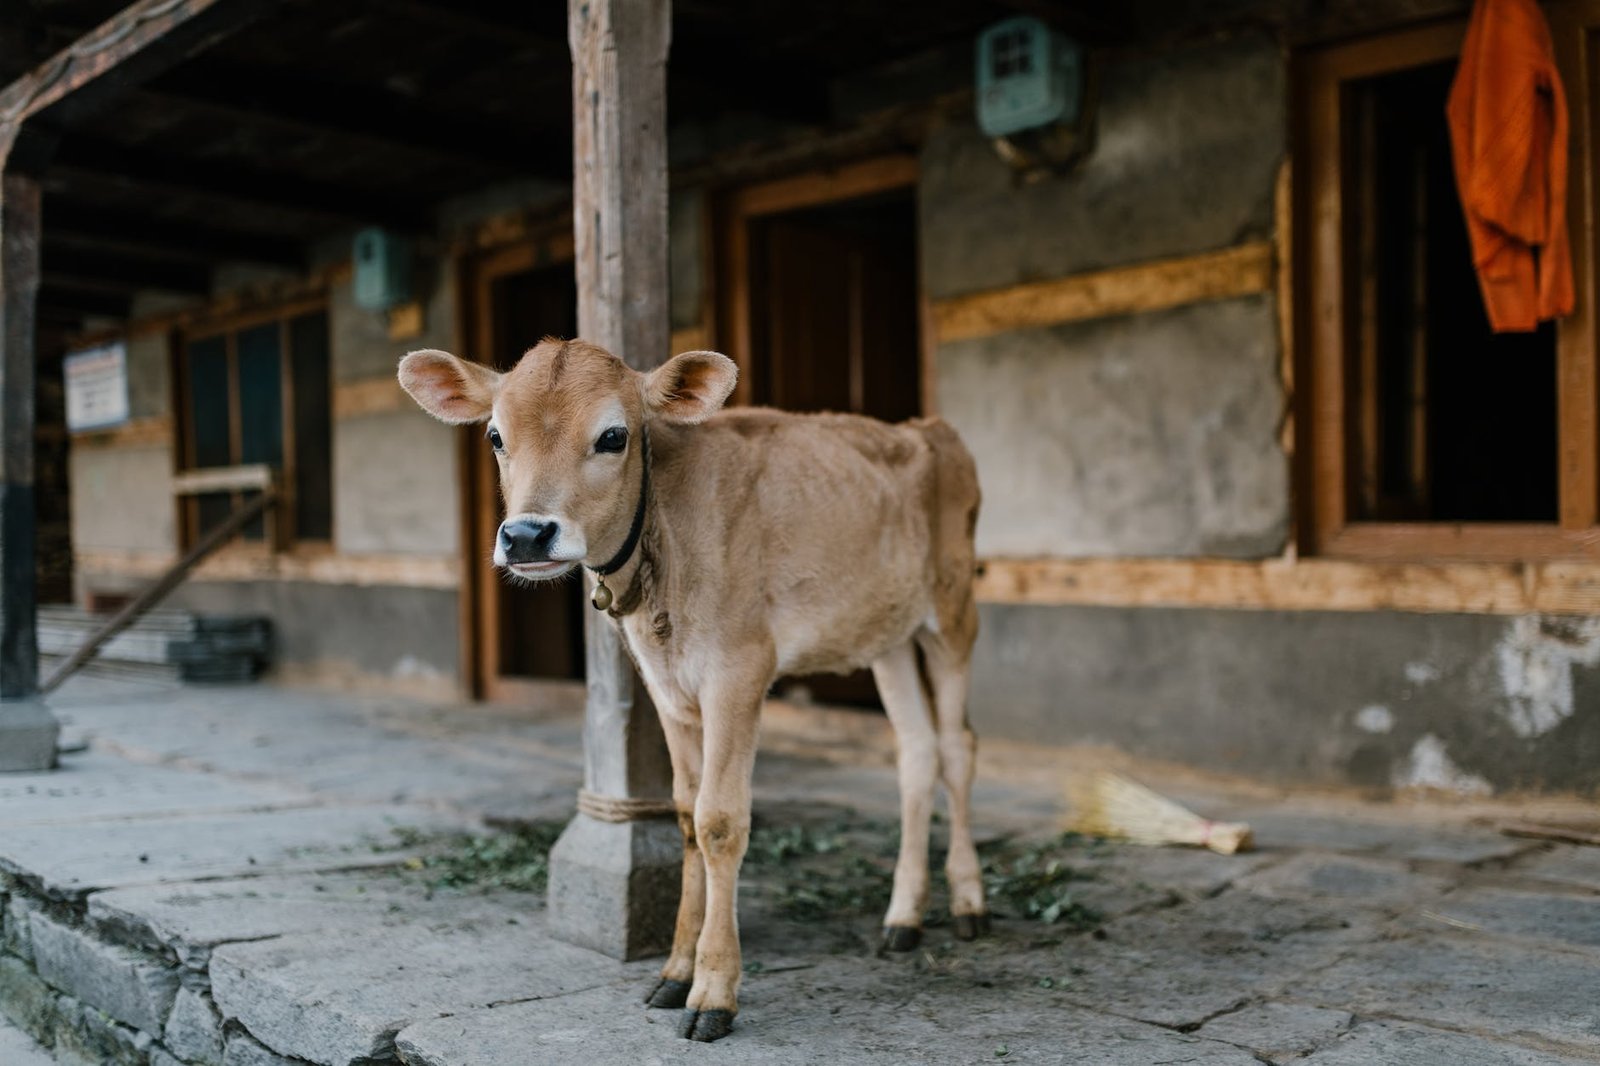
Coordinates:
(364, 636)
(1153, 434)
(1468, 703)
(122, 497)
(394, 471)
(1143, 435)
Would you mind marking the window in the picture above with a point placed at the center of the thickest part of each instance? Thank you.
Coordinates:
(1425, 434)
(252, 395)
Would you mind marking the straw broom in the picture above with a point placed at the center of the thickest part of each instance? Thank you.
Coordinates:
(1110, 805)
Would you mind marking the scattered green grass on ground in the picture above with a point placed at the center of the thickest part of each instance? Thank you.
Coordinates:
(1035, 881)
(837, 869)
(515, 860)
(845, 868)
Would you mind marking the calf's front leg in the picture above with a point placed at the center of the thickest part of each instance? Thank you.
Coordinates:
(730, 709)
(684, 742)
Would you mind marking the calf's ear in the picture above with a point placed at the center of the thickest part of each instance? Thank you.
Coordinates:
(450, 389)
(689, 388)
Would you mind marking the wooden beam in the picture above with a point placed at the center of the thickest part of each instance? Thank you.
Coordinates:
(138, 42)
(361, 114)
(711, 67)
(253, 477)
(82, 302)
(522, 33)
(862, 178)
(1243, 270)
(254, 562)
(1098, 23)
(19, 286)
(161, 173)
(77, 225)
(153, 431)
(99, 271)
(619, 58)
(1556, 587)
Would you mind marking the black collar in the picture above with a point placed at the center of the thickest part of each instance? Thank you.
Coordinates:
(619, 560)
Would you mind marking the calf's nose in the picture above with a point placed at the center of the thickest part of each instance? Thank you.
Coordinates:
(522, 541)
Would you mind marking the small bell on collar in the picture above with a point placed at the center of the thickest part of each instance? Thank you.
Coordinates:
(601, 596)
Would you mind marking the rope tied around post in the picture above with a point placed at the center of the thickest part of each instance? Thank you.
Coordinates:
(623, 808)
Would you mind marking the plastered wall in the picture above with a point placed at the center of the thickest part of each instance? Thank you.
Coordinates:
(394, 468)
(1152, 434)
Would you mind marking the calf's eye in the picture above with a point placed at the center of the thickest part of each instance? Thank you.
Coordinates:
(494, 440)
(612, 440)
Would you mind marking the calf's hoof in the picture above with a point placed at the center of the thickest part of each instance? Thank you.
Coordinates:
(705, 1025)
(668, 993)
(970, 926)
(901, 937)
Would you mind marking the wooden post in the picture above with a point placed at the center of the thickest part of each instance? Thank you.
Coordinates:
(614, 885)
(28, 732)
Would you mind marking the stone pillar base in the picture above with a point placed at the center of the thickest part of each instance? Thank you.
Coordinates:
(28, 735)
(614, 886)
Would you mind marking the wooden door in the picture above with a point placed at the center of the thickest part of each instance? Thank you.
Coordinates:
(834, 326)
(525, 637)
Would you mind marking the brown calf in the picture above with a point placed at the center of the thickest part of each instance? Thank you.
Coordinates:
(737, 547)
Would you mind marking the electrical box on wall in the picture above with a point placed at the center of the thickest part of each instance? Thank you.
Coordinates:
(382, 269)
(1029, 76)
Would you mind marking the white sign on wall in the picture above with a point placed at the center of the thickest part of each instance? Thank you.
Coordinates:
(97, 387)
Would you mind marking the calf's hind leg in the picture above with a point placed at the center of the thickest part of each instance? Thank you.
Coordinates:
(949, 671)
(904, 698)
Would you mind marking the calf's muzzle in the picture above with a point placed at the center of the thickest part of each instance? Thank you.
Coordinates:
(524, 541)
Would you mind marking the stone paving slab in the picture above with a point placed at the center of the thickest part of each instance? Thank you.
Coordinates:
(354, 747)
(1279, 1030)
(191, 919)
(336, 997)
(1286, 828)
(98, 855)
(781, 1024)
(1181, 966)
(96, 785)
(1347, 879)
(1399, 1044)
(1478, 984)
(1565, 864)
(1566, 919)
(18, 1049)
(1183, 873)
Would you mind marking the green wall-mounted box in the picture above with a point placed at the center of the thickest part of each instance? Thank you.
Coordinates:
(382, 269)
(1028, 76)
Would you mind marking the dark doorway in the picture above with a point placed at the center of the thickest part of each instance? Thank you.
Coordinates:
(834, 326)
(1450, 422)
(526, 634)
(833, 306)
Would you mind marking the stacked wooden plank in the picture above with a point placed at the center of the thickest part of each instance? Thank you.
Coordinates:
(162, 645)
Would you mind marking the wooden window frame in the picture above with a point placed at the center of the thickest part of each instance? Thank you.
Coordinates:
(1324, 311)
(281, 535)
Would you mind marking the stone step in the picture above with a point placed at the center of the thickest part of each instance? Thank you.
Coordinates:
(18, 1049)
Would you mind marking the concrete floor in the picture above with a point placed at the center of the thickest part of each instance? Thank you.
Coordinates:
(212, 880)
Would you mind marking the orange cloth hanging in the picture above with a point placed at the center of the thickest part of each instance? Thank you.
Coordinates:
(1508, 134)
